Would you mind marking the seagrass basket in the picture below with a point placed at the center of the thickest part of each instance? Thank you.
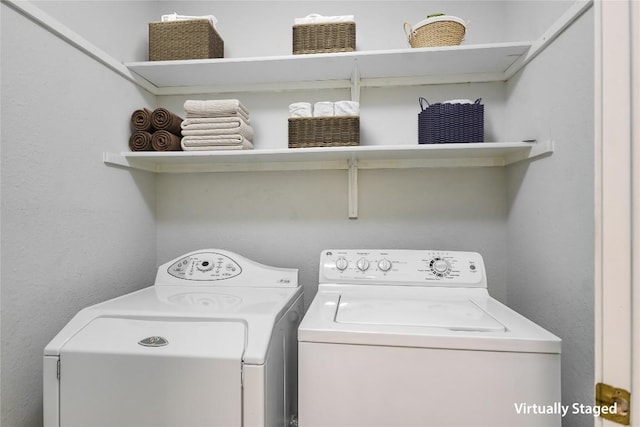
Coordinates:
(324, 38)
(189, 39)
(339, 131)
(436, 31)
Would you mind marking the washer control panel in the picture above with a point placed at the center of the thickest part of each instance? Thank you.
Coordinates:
(403, 267)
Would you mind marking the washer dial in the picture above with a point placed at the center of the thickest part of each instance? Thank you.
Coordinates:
(384, 264)
(363, 264)
(440, 267)
(342, 263)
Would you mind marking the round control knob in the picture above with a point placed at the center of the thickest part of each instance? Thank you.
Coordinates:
(384, 264)
(342, 263)
(204, 265)
(440, 267)
(362, 264)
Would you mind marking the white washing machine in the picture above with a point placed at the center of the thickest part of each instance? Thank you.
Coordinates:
(412, 338)
(212, 343)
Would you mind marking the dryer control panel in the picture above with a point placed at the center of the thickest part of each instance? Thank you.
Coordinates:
(219, 267)
(403, 267)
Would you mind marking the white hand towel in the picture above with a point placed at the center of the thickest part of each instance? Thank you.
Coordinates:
(300, 109)
(315, 18)
(323, 109)
(347, 108)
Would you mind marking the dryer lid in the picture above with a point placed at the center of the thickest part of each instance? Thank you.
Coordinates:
(192, 338)
(459, 315)
(159, 373)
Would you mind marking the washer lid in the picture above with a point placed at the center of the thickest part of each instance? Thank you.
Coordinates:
(402, 316)
(462, 315)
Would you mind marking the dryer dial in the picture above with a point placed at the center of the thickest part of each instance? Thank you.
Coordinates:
(205, 265)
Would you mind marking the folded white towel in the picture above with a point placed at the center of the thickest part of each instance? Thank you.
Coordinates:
(220, 148)
(196, 140)
(217, 126)
(346, 108)
(219, 122)
(218, 132)
(300, 109)
(229, 143)
(323, 109)
(315, 18)
(215, 108)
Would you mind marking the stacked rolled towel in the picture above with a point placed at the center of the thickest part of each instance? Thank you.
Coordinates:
(212, 125)
(157, 130)
(141, 120)
(163, 119)
(140, 139)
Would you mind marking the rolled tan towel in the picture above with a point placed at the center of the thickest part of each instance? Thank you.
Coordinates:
(140, 140)
(141, 120)
(163, 140)
(163, 119)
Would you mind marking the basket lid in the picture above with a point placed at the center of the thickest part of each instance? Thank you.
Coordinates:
(440, 18)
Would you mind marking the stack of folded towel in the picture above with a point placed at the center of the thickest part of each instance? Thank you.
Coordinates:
(211, 125)
(157, 130)
(324, 109)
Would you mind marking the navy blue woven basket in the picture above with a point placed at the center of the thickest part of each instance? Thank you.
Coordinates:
(450, 123)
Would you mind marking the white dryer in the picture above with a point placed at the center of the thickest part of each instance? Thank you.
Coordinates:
(212, 343)
(412, 338)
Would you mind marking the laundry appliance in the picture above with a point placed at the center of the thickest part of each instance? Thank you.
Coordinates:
(413, 338)
(211, 343)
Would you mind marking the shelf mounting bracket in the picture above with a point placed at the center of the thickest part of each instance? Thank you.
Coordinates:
(353, 189)
(355, 82)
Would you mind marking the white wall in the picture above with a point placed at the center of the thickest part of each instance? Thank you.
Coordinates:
(288, 218)
(74, 231)
(74, 219)
(550, 273)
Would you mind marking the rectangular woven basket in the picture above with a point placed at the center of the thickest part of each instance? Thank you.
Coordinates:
(450, 123)
(305, 132)
(324, 38)
(190, 39)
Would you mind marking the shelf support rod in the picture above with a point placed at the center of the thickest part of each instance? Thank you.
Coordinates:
(353, 189)
(64, 33)
(355, 82)
(557, 28)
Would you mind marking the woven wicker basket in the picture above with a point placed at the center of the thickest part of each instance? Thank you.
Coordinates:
(450, 123)
(305, 132)
(438, 31)
(191, 39)
(324, 38)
